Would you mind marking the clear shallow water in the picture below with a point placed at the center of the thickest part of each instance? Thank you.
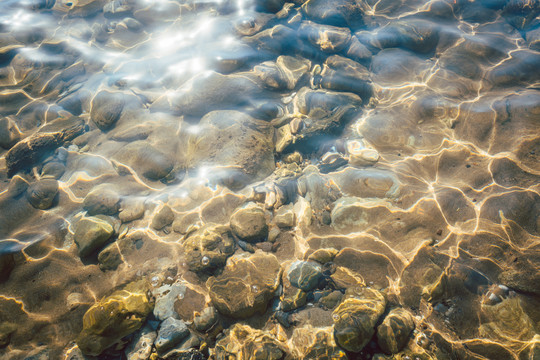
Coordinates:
(402, 135)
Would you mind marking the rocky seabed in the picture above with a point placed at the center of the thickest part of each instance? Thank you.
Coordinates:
(314, 179)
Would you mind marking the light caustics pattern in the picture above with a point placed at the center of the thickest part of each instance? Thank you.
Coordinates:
(404, 135)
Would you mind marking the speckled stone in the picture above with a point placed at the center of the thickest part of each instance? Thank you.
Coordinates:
(208, 248)
(165, 296)
(355, 318)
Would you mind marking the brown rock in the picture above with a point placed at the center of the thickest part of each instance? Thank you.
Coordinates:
(41, 194)
(208, 248)
(355, 318)
(163, 218)
(393, 333)
(249, 223)
(246, 285)
(114, 317)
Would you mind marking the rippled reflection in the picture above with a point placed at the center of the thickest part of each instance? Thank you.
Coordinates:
(329, 179)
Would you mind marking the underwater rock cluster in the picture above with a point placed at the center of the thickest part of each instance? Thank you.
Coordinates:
(313, 179)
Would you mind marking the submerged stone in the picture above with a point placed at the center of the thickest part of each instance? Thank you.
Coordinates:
(102, 200)
(170, 333)
(91, 234)
(356, 317)
(334, 12)
(42, 193)
(106, 109)
(208, 248)
(140, 347)
(326, 38)
(6, 329)
(38, 146)
(342, 74)
(305, 274)
(9, 134)
(166, 296)
(394, 332)
(323, 256)
(114, 317)
(164, 217)
(245, 342)
(110, 257)
(284, 73)
(236, 148)
(146, 160)
(249, 223)
(206, 319)
(246, 285)
(316, 343)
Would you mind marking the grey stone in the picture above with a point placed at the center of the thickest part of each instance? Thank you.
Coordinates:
(206, 319)
(140, 347)
(106, 109)
(305, 274)
(170, 333)
(165, 296)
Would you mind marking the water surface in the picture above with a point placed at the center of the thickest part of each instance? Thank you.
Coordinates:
(178, 142)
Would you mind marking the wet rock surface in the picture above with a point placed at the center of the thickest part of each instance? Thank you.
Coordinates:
(208, 248)
(114, 317)
(246, 285)
(394, 332)
(315, 179)
(249, 224)
(91, 234)
(356, 317)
